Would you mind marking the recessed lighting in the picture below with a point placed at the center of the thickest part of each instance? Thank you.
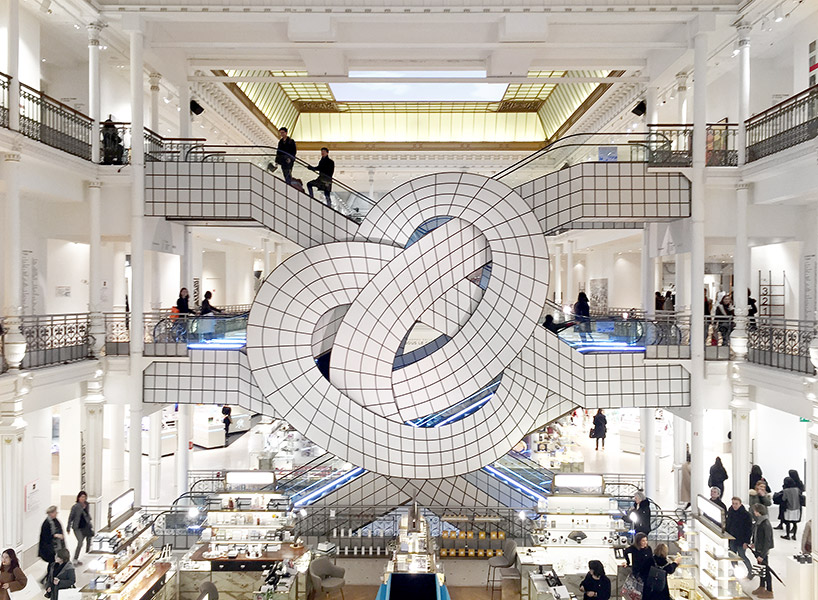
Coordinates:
(42, 60)
(218, 239)
(76, 26)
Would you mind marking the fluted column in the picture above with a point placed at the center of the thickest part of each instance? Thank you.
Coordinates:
(94, 29)
(154, 79)
(740, 412)
(15, 343)
(94, 426)
(12, 464)
(94, 268)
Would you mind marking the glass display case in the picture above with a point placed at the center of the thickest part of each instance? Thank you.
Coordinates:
(415, 550)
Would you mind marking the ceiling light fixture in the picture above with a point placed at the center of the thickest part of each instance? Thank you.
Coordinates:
(778, 14)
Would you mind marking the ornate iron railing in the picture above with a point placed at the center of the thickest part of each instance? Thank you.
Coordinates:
(56, 339)
(4, 99)
(781, 343)
(672, 145)
(784, 125)
(53, 123)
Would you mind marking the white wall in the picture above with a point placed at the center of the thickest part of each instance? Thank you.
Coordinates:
(802, 35)
(67, 267)
(29, 44)
(37, 445)
(781, 259)
(775, 452)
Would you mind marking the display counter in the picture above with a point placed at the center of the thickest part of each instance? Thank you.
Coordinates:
(208, 425)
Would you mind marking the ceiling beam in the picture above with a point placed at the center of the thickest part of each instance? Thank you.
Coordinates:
(403, 80)
(363, 44)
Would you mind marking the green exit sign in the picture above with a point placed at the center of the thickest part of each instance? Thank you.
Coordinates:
(804, 420)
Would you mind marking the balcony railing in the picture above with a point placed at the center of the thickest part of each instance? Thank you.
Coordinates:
(781, 343)
(56, 339)
(672, 145)
(4, 99)
(53, 123)
(784, 125)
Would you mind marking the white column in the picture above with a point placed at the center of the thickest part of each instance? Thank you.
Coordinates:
(184, 109)
(652, 105)
(265, 249)
(648, 274)
(679, 453)
(279, 254)
(558, 274)
(681, 283)
(183, 416)
(116, 441)
(15, 343)
(740, 412)
(137, 261)
(698, 474)
(744, 30)
(658, 274)
(94, 29)
(681, 98)
(13, 39)
(570, 295)
(154, 79)
(156, 281)
(155, 455)
(12, 430)
(811, 389)
(93, 428)
(94, 268)
(647, 419)
(187, 262)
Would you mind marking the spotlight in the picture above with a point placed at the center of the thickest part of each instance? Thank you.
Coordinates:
(192, 512)
(640, 109)
(196, 108)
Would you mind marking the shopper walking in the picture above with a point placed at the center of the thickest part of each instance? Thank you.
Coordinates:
(762, 544)
(724, 319)
(600, 428)
(596, 585)
(61, 575)
(639, 515)
(715, 498)
(761, 494)
(12, 578)
(51, 536)
(739, 524)
(718, 475)
(285, 154)
(755, 476)
(582, 311)
(183, 303)
(79, 519)
(656, 587)
(790, 500)
(227, 413)
(325, 169)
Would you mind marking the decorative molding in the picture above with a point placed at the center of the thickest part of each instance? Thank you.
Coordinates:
(246, 125)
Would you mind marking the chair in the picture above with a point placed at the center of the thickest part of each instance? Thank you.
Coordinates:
(326, 577)
(508, 559)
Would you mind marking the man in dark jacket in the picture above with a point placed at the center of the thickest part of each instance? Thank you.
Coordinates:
(326, 169)
(740, 526)
(763, 542)
(51, 536)
(285, 155)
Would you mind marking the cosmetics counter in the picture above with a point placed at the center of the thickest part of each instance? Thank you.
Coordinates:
(125, 563)
(415, 550)
(247, 550)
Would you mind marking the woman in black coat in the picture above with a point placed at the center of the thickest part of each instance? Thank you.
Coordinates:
(718, 475)
(639, 514)
(61, 574)
(600, 428)
(639, 557)
(582, 311)
(596, 585)
(669, 567)
(755, 475)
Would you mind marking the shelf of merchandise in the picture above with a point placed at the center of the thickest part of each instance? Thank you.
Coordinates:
(148, 544)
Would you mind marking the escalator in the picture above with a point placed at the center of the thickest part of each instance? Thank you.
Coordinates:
(321, 476)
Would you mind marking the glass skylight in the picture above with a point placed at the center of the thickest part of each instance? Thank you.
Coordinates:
(418, 92)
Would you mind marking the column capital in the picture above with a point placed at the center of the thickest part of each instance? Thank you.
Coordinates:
(744, 28)
(94, 29)
(13, 156)
(742, 186)
(94, 184)
(681, 81)
(154, 79)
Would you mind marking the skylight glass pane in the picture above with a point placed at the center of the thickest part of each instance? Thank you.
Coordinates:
(418, 92)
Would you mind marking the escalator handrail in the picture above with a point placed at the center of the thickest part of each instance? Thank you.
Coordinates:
(560, 143)
(211, 151)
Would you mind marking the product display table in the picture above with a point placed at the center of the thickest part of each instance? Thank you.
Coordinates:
(564, 560)
(287, 552)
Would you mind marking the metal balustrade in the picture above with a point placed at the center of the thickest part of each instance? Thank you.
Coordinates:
(56, 339)
(781, 343)
(4, 99)
(787, 124)
(672, 145)
(53, 123)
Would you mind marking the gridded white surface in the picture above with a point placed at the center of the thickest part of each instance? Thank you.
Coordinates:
(606, 195)
(360, 415)
(207, 191)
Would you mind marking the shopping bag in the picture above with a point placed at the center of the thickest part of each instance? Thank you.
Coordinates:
(632, 588)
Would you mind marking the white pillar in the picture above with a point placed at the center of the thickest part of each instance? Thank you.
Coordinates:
(184, 109)
(740, 412)
(279, 254)
(12, 430)
(137, 260)
(681, 98)
(652, 105)
(658, 274)
(187, 261)
(743, 88)
(13, 39)
(647, 419)
(556, 285)
(681, 283)
(698, 474)
(570, 295)
(679, 453)
(93, 428)
(94, 268)
(648, 274)
(265, 249)
(116, 441)
(156, 281)
(811, 388)
(154, 79)
(155, 455)
(94, 29)
(183, 416)
(15, 343)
